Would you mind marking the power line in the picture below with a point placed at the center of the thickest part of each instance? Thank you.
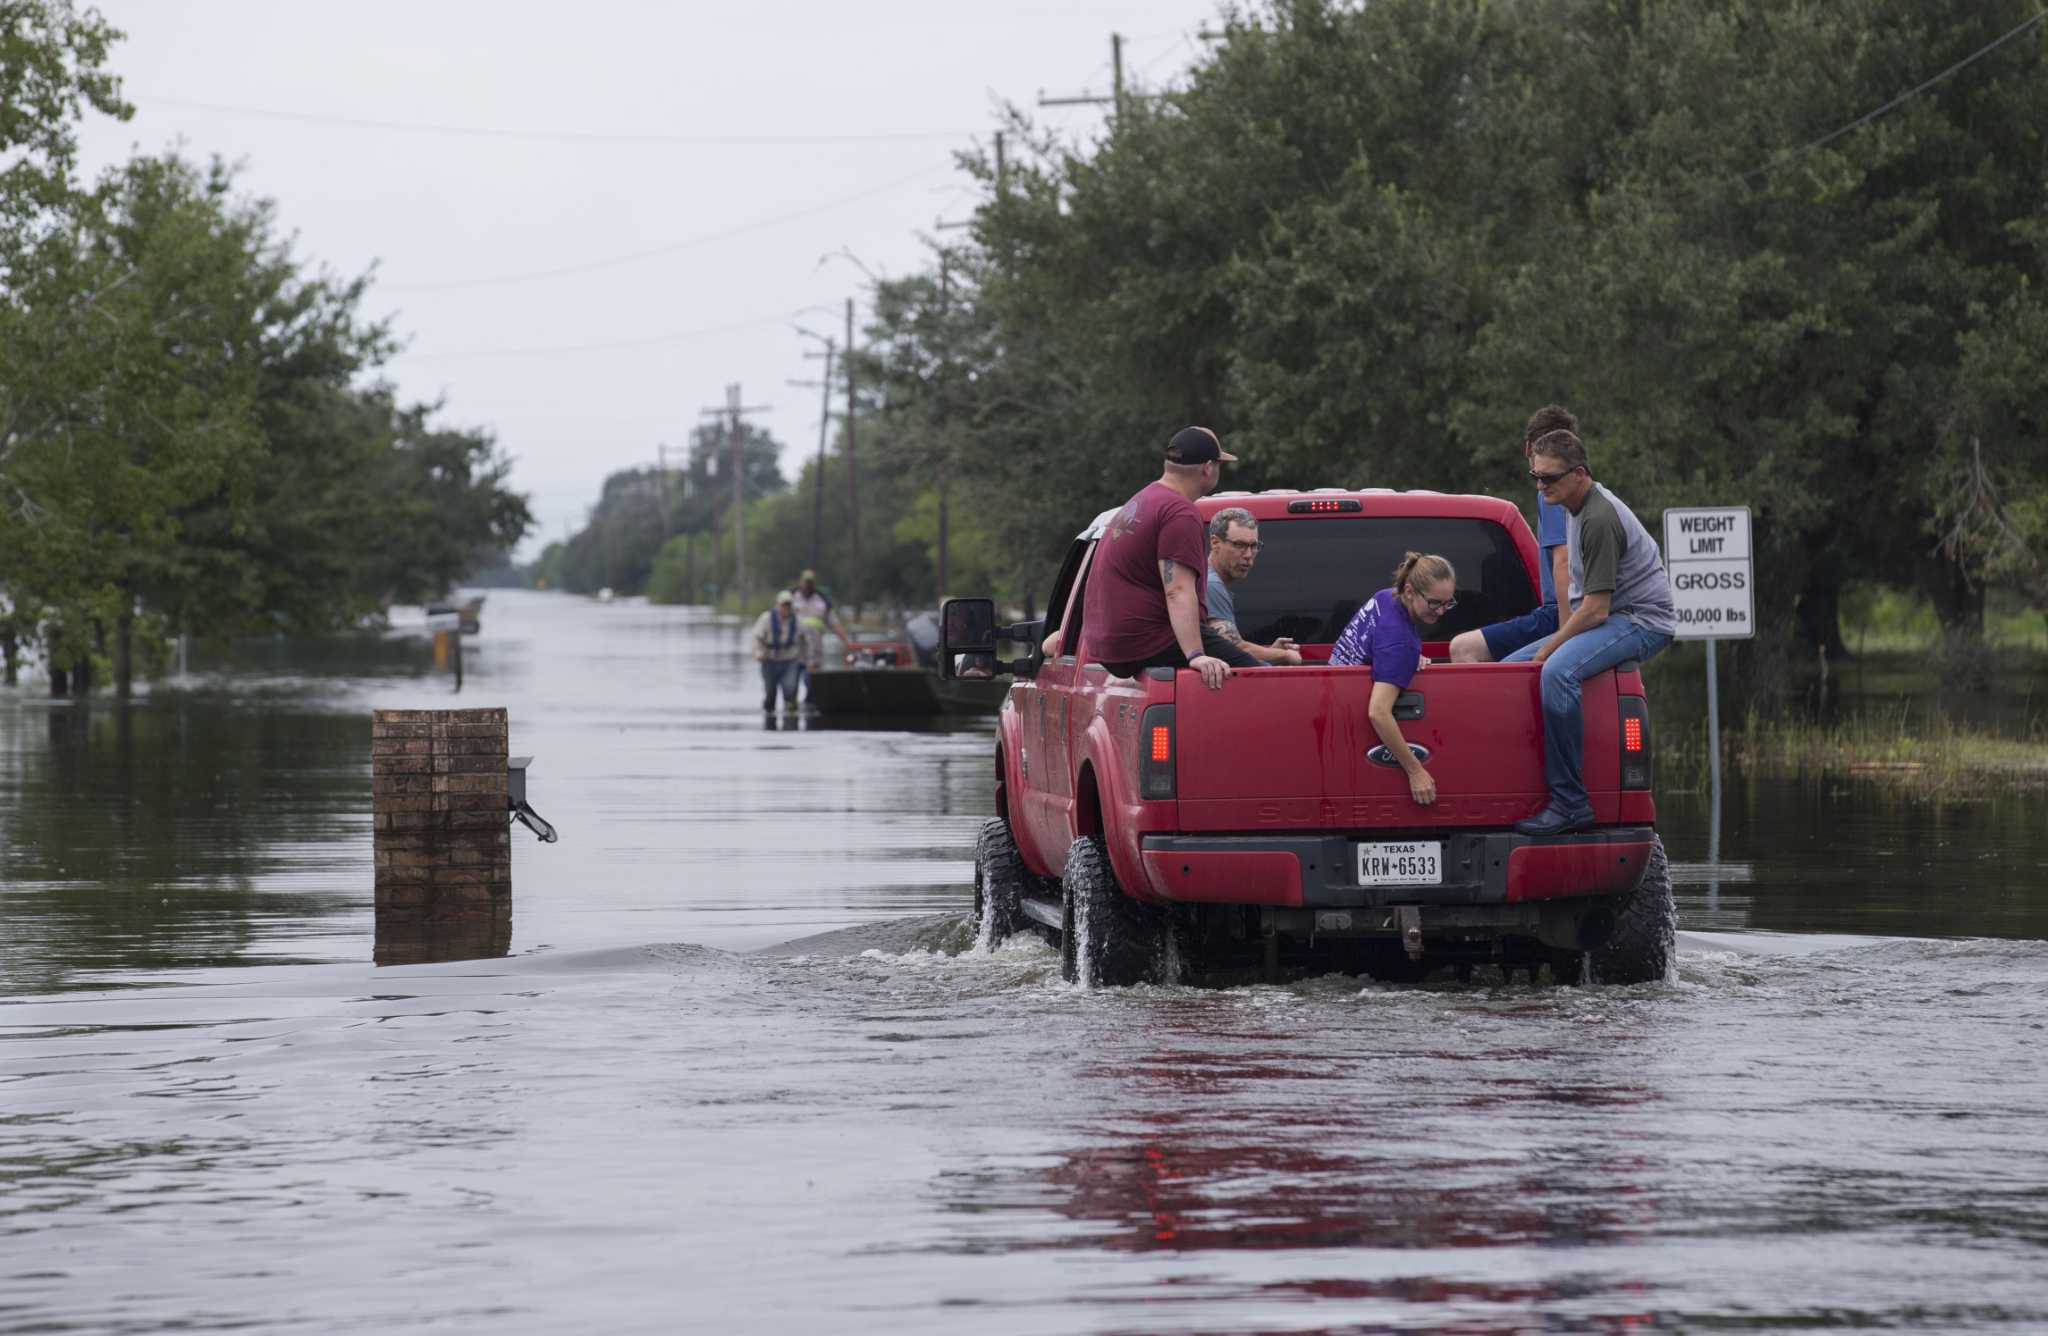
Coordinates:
(561, 136)
(1869, 116)
(652, 340)
(671, 248)
(1186, 44)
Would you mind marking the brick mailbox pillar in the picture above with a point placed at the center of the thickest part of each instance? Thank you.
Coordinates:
(443, 845)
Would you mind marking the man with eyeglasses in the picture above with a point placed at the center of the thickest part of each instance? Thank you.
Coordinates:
(1233, 546)
(1621, 609)
(1489, 644)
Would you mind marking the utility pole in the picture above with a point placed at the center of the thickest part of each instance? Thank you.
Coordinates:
(661, 490)
(945, 424)
(732, 411)
(818, 483)
(1002, 186)
(824, 429)
(852, 472)
(1116, 56)
(1116, 99)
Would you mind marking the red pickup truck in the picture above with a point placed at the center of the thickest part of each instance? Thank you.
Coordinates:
(1158, 829)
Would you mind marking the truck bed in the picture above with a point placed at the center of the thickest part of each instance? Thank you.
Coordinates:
(1292, 749)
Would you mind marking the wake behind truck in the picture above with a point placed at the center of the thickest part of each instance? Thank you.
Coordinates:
(1159, 830)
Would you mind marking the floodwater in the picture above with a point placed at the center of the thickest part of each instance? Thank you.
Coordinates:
(741, 1072)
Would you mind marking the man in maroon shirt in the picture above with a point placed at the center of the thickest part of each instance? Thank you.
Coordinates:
(1145, 585)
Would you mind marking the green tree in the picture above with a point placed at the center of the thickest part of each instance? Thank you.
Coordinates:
(1751, 310)
(143, 410)
(200, 456)
(52, 70)
(1364, 240)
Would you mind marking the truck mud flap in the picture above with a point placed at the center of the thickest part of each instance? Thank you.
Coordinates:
(1421, 930)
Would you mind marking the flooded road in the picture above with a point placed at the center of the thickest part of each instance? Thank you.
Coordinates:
(740, 1073)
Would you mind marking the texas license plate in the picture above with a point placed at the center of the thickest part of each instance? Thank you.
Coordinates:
(1420, 863)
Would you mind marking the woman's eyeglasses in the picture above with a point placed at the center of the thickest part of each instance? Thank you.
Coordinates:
(1439, 606)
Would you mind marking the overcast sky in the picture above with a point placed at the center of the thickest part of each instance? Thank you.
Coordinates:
(855, 111)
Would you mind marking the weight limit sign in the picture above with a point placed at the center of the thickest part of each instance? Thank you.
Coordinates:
(1707, 550)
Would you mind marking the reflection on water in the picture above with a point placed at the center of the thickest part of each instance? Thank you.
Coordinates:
(1848, 856)
(418, 939)
(1999, 691)
(217, 1112)
(193, 831)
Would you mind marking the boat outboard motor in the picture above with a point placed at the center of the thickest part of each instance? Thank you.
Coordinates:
(922, 631)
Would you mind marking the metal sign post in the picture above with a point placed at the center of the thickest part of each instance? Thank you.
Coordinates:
(1708, 554)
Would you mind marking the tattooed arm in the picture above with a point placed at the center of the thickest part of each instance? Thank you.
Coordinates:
(1281, 652)
(1183, 610)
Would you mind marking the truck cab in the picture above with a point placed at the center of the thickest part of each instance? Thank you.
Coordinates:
(1158, 828)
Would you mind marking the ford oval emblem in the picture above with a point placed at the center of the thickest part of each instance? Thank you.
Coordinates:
(1381, 756)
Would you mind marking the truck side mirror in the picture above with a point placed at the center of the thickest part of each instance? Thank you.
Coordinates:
(967, 626)
(969, 634)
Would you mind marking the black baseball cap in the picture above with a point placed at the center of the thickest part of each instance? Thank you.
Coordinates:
(1196, 445)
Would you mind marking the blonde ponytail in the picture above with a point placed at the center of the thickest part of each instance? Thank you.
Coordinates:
(1430, 568)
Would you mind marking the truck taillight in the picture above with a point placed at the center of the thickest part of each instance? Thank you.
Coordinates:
(1155, 765)
(1635, 742)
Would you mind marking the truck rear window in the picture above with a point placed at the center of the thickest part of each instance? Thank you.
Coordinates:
(1313, 574)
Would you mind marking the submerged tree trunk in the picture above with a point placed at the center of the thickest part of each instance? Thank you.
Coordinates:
(124, 651)
(1758, 674)
(1958, 603)
(60, 683)
(1820, 607)
(10, 653)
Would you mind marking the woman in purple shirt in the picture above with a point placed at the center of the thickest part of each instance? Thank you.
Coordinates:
(1383, 634)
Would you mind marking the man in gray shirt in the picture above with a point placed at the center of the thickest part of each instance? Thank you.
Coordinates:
(1621, 610)
(1233, 546)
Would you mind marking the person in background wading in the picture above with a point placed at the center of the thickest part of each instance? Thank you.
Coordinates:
(778, 648)
(815, 615)
(1146, 583)
(1383, 634)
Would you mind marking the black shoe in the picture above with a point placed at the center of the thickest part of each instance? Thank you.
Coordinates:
(1554, 820)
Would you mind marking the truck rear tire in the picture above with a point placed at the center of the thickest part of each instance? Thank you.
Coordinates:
(1645, 937)
(1107, 939)
(1000, 883)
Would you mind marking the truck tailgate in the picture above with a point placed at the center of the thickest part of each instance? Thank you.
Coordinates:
(1290, 748)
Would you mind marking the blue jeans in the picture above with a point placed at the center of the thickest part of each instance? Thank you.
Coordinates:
(1615, 640)
(783, 675)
